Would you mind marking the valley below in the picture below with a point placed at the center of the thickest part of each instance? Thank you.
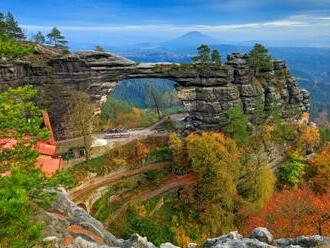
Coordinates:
(171, 146)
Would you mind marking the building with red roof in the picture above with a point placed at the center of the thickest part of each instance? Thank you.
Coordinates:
(48, 161)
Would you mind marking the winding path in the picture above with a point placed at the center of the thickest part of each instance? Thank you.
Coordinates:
(98, 182)
(170, 183)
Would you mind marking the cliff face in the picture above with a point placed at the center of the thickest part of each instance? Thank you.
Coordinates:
(206, 91)
(210, 97)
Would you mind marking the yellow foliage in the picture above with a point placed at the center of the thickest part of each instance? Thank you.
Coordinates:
(212, 149)
(215, 157)
(179, 151)
(310, 135)
(117, 162)
(181, 237)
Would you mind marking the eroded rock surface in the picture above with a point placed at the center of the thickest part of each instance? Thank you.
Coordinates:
(69, 226)
(206, 91)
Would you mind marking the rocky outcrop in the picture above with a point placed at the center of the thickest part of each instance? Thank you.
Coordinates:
(69, 226)
(206, 91)
(261, 238)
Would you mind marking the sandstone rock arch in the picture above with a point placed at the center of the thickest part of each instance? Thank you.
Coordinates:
(206, 91)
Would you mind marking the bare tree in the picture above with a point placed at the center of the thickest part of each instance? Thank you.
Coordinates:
(154, 98)
(81, 120)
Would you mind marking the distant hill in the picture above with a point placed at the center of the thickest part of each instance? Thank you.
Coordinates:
(189, 40)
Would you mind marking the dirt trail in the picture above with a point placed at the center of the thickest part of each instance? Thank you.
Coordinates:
(98, 182)
(172, 182)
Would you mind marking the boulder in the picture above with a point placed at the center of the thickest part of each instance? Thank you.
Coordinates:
(79, 242)
(168, 245)
(235, 240)
(304, 241)
(262, 234)
(192, 245)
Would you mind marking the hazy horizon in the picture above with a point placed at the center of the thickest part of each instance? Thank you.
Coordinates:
(120, 23)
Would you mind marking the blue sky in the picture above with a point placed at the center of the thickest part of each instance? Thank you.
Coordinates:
(116, 22)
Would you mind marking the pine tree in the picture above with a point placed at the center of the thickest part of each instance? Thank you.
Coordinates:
(204, 54)
(39, 38)
(56, 39)
(12, 30)
(2, 24)
(216, 58)
(237, 126)
(259, 60)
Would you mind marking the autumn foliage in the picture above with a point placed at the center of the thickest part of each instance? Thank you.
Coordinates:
(292, 213)
(320, 170)
(310, 137)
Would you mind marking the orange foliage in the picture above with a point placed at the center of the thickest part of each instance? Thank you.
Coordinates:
(141, 210)
(310, 136)
(137, 150)
(321, 169)
(136, 111)
(292, 213)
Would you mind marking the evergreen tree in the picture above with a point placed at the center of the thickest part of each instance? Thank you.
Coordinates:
(56, 39)
(259, 113)
(216, 58)
(259, 59)
(39, 38)
(12, 30)
(204, 54)
(237, 126)
(2, 24)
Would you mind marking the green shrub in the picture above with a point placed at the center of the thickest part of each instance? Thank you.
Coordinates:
(147, 227)
(62, 178)
(17, 229)
(324, 135)
(12, 49)
(237, 125)
(292, 171)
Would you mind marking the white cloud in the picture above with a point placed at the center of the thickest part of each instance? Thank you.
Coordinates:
(298, 21)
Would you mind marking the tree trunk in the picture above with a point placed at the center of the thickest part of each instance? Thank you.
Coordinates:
(87, 144)
(156, 104)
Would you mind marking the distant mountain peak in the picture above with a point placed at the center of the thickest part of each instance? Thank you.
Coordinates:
(197, 36)
(195, 33)
(192, 39)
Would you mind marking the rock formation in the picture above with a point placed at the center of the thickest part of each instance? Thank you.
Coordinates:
(67, 225)
(206, 91)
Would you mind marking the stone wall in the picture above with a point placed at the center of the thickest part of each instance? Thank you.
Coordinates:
(206, 91)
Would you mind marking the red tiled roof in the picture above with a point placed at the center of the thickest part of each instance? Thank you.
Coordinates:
(45, 149)
(49, 165)
(7, 142)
